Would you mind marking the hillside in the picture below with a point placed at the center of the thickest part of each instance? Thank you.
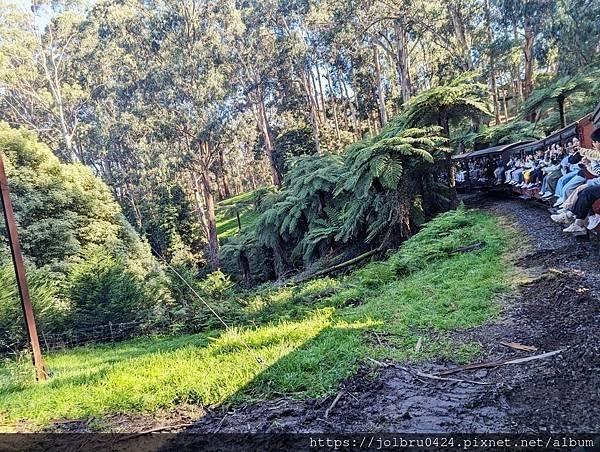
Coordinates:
(299, 341)
(228, 210)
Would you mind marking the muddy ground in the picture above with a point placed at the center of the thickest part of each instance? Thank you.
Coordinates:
(556, 307)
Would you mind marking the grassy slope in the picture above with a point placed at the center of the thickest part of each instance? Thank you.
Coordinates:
(300, 341)
(227, 225)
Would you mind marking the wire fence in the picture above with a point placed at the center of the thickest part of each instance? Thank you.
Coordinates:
(111, 332)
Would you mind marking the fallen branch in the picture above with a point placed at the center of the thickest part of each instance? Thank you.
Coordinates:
(419, 343)
(517, 346)
(379, 363)
(534, 357)
(498, 363)
(468, 248)
(72, 421)
(341, 266)
(154, 430)
(334, 403)
(220, 424)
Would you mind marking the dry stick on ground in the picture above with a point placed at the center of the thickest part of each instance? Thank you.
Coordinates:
(517, 346)
(498, 363)
(155, 430)
(418, 345)
(339, 266)
(379, 363)
(377, 336)
(220, 424)
(334, 403)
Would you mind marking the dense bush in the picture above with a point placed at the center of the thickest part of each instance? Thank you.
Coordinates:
(375, 194)
(87, 266)
(51, 312)
(102, 289)
(195, 302)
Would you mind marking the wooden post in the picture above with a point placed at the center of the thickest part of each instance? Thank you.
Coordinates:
(15, 249)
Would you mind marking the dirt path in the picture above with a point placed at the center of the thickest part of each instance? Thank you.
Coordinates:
(556, 307)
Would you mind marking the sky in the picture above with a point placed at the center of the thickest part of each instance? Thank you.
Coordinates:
(43, 15)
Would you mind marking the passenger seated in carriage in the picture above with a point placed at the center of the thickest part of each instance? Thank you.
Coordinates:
(576, 208)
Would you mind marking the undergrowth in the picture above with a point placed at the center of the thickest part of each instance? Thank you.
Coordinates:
(298, 341)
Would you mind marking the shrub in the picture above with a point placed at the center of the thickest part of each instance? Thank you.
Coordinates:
(50, 311)
(217, 285)
(86, 262)
(188, 311)
(102, 290)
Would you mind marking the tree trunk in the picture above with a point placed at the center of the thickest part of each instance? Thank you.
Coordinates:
(224, 183)
(336, 122)
(209, 204)
(561, 112)
(268, 138)
(314, 120)
(518, 92)
(490, 37)
(279, 259)
(219, 192)
(321, 95)
(355, 125)
(380, 88)
(402, 64)
(528, 56)
(199, 204)
(136, 210)
(461, 35)
(355, 101)
(245, 269)
(444, 122)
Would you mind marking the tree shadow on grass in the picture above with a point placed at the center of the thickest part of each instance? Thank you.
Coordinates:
(313, 369)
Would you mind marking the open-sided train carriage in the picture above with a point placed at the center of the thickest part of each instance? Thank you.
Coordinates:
(581, 129)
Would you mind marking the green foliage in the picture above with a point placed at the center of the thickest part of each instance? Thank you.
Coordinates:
(61, 208)
(298, 341)
(171, 227)
(442, 237)
(101, 289)
(383, 178)
(228, 210)
(217, 285)
(73, 232)
(462, 97)
(379, 189)
(511, 132)
(293, 143)
(194, 300)
(559, 91)
(51, 311)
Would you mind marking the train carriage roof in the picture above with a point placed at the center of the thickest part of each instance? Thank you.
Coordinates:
(493, 150)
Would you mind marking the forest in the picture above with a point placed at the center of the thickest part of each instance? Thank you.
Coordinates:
(184, 167)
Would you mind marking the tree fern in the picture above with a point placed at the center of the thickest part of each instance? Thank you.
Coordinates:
(556, 94)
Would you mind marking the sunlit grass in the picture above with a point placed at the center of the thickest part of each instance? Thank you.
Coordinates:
(299, 341)
(227, 224)
(242, 197)
(92, 381)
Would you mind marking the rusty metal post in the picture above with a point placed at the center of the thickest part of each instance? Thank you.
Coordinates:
(15, 249)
